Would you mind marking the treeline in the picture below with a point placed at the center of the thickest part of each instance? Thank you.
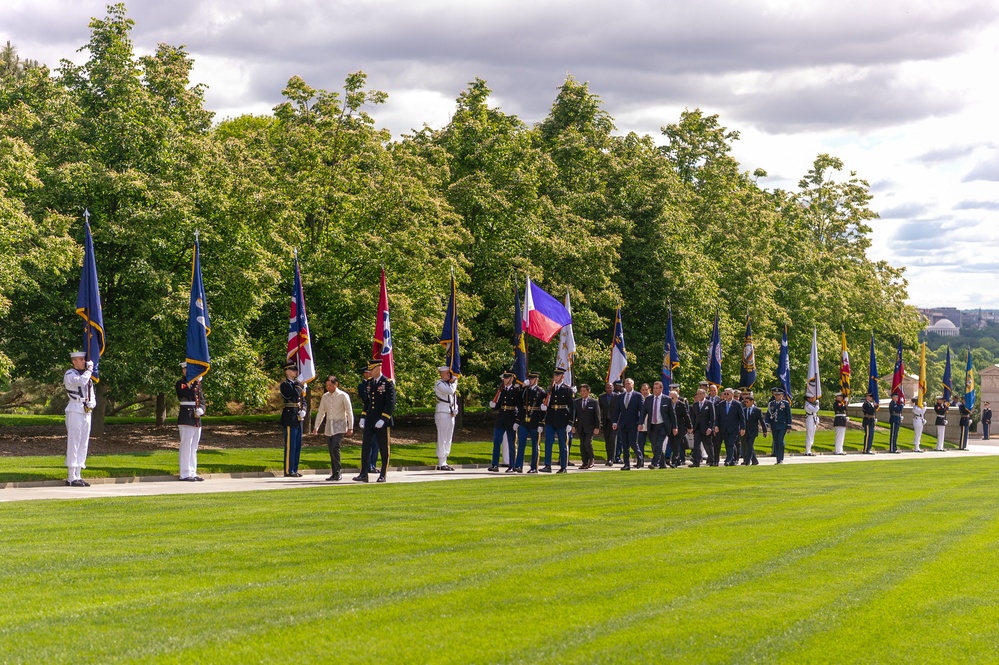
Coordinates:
(612, 219)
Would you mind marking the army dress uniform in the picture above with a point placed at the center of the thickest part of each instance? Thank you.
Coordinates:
(894, 423)
(369, 459)
(965, 424)
(558, 422)
(80, 390)
(839, 424)
(379, 418)
(530, 422)
(507, 405)
(192, 407)
(870, 419)
(293, 394)
(779, 420)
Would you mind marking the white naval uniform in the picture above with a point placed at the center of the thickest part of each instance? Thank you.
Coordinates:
(917, 425)
(447, 408)
(811, 422)
(80, 390)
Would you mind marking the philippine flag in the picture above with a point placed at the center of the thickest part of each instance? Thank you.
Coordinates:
(544, 316)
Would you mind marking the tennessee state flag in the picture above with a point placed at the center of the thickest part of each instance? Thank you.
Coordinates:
(544, 316)
(299, 341)
(381, 346)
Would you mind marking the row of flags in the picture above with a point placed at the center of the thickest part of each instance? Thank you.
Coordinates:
(542, 316)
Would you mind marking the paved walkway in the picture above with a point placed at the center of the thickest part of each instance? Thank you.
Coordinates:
(119, 487)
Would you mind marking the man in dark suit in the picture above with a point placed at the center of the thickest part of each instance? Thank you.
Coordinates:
(755, 423)
(714, 399)
(586, 423)
(661, 421)
(702, 417)
(730, 426)
(609, 411)
(644, 430)
(986, 420)
(678, 442)
(870, 419)
(628, 420)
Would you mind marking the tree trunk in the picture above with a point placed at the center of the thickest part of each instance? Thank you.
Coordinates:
(160, 409)
(97, 417)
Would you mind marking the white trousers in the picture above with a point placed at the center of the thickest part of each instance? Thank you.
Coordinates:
(940, 436)
(840, 437)
(189, 438)
(917, 432)
(77, 442)
(445, 432)
(809, 434)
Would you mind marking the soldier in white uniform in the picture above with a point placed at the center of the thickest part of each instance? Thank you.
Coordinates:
(82, 401)
(918, 421)
(446, 390)
(811, 422)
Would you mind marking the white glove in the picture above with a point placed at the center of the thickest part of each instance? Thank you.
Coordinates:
(91, 403)
(492, 405)
(945, 421)
(901, 418)
(301, 414)
(380, 424)
(541, 430)
(544, 407)
(568, 429)
(360, 423)
(199, 412)
(90, 364)
(516, 427)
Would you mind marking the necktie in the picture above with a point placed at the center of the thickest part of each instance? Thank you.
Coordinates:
(728, 405)
(627, 398)
(655, 413)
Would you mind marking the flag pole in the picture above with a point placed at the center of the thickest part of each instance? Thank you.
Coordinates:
(90, 331)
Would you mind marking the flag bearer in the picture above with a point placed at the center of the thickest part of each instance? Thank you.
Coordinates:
(293, 394)
(82, 401)
(192, 407)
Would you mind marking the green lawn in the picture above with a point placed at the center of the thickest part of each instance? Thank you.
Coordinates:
(237, 460)
(830, 563)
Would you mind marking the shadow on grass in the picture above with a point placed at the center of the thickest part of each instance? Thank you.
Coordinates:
(18, 477)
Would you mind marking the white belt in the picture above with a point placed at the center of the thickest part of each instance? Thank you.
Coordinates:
(188, 403)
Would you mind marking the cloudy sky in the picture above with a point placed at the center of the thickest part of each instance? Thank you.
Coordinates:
(903, 92)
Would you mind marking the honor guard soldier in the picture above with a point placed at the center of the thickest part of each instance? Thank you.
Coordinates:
(292, 415)
(378, 419)
(530, 423)
(870, 419)
(363, 396)
(192, 407)
(965, 424)
(894, 421)
(839, 423)
(507, 404)
(80, 390)
(986, 420)
(446, 392)
(940, 408)
(558, 421)
(779, 420)
(811, 422)
(918, 422)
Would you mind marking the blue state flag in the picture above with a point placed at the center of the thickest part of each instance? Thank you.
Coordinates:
(713, 372)
(784, 366)
(198, 324)
(88, 304)
(671, 357)
(969, 384)
(747, 377)
(947, 386)
(519, 368)
(872, 380)
(449, 337)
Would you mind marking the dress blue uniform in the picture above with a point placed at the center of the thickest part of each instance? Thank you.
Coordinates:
(507, 405)
(530, 420)
(779, 420)
(870, 419)
(293, 394)
(558, 421)
(894, 423)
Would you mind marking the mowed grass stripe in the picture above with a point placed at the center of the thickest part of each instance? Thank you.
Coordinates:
(795, 564)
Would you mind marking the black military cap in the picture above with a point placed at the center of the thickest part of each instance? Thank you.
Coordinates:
(533, 375)
(777, 389)
(374, 362)
(559, 370)
(361, 369)
(293, 365)
(508, 375)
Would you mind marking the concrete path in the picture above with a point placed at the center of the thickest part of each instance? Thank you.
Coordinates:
(122, 487)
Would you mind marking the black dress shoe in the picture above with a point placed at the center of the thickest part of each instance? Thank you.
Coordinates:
(560, 471)
(609, 463)
(199, 479)
(511, 470)
(381, 479)
(493, 469)
(189, 479)
(546, 469)
(625, 468)
(80, 483)
(361, 478)
(533, 471)
(332, 478)
(69, 483)
(572, 464)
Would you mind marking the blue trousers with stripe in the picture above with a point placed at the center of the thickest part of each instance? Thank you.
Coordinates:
(292, 448)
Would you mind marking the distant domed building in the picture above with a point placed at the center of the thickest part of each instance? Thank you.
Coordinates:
(944, 327)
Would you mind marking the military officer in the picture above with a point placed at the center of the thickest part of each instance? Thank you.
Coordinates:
(986, 420)
(839, 423)
(586, 423)
(292, 415)
(965, 424)
(446, 391)
(940, 408)
(507, 404)
(870, 419)
(378, 420)
(82, 400)
(530, 423)
(192, 407)
(558, 421)
(811, 422)
(755, 424)
(779, 420)
(895, 421)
